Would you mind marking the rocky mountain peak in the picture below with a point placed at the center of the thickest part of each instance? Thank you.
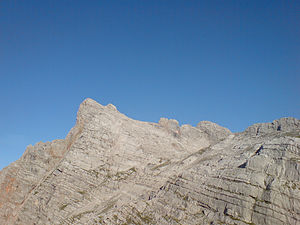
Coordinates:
(111, 169)
(89, 108)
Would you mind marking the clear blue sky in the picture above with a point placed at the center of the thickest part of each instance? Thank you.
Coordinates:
(231, 62)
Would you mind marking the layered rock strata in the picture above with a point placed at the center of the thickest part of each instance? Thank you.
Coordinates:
(111, 169)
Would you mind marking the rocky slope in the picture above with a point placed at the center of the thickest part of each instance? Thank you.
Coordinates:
(111, 169)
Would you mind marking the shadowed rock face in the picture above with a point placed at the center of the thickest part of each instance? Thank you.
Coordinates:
(111, 169)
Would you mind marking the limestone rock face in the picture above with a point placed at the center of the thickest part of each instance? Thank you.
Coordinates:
(283, 124)
(111, 169)
(215, 131)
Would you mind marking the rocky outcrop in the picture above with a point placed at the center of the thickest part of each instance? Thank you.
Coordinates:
(215, 132)
(111, 169)
(283, 124)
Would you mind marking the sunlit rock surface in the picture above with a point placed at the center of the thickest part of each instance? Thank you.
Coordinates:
(111, 169)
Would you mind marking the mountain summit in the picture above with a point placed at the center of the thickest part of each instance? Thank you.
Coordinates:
(111, 169)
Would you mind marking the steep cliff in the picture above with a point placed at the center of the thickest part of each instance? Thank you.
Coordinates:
(111, 169)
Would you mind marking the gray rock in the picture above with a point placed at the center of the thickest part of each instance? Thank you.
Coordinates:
(111, 169)
(215, 131)
(283, 124)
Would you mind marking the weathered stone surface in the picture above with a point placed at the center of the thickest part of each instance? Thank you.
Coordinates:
(215, 131)
(111, 169)
(283, 124)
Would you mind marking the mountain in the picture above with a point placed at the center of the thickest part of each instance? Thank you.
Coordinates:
(111, 169)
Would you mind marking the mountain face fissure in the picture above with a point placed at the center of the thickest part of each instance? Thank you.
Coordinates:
(111, 169)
